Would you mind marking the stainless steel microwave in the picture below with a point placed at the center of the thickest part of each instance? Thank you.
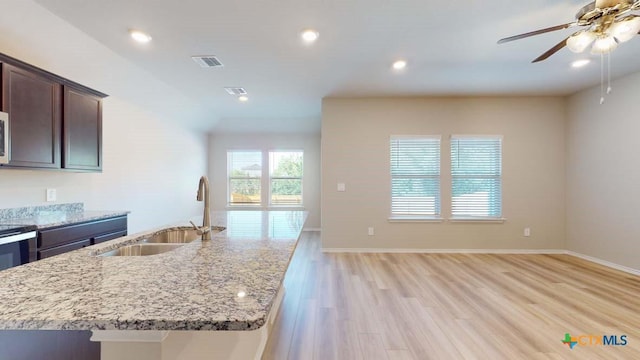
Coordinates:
(4, 138)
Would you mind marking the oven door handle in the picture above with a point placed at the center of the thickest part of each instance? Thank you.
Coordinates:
(18, 237)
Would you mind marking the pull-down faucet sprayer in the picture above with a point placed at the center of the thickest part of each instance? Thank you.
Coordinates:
(203, 194)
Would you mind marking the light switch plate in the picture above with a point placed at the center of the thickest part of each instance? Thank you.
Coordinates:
(51, 195)
(342, 187)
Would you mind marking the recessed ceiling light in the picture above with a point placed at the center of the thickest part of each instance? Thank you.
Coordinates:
(580, 63)
(139, 36)
(243, 98)
(399, 65)
(309, 36)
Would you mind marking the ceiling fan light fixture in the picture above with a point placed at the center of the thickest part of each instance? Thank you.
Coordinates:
(604, 45)
(626, 29)
(579, 41)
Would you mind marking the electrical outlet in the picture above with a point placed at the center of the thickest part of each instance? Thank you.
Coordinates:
(527, 232)
(371, 232)
(51, 195)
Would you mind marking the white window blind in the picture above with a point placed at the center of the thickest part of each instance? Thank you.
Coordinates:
(415, 176)
(244, 169)
(476, 175)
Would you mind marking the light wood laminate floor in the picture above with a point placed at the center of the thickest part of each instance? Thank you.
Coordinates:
(451, 306)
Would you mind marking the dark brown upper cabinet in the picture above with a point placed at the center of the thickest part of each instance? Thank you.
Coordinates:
(82, 130)
(34, 107)
(54, 123)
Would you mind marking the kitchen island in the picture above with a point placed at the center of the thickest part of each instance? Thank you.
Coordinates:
(206, 299)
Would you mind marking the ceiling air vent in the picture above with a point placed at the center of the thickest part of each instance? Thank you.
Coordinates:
(236, 91)
(207, 61)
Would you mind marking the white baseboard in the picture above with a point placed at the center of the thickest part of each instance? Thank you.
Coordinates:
(311, 229)
(484, 251)
(443, 251)
(604, 262)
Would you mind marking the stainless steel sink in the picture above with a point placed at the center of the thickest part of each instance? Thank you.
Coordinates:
(173, 236)
(141, 250)
(180, 235)
(160, 242)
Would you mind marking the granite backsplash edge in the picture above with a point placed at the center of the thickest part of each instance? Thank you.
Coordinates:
(38, 210)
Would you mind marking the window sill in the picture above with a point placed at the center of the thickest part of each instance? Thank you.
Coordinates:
(244, 207)
(410, 219)
(285, 207)
(260, 207)
(477, 220)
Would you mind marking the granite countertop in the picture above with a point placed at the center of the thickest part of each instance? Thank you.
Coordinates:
(54, 219)
(228, 283)
(43, 217)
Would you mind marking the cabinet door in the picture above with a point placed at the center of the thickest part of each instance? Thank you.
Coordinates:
(33, 103)
(107, 237)
(82, 128)
(49, 345)
(70, 233)
(43, 254)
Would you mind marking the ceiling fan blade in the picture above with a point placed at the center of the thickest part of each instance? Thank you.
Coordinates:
(537, 32)
(552, 51)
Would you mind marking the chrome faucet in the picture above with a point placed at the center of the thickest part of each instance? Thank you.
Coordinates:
(203, 194)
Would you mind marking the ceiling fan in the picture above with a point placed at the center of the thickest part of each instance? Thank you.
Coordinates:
(606, 23)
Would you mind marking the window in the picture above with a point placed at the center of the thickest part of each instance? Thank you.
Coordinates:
(476, 175)
(244, 169)
(281, 175)
(285, 177)
(415, 176)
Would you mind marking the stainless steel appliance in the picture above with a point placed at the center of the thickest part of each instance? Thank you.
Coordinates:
(4, 138)
(17, 245)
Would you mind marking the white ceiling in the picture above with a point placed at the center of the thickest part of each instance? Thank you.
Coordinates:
(450, 47)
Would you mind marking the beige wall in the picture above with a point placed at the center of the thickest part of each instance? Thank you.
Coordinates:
(355, 150)
(151, 163)
(603, 173)
(309, 143)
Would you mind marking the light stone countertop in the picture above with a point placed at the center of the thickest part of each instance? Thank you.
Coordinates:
(45, 220)
(194, 287)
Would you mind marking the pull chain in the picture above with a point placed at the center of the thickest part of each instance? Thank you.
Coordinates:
(602, 91)
(601, 79)
(609, 73)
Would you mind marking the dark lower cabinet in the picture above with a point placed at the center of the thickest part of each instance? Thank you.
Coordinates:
(106, 237)
(48, 344)
(63, 239)
(43, 254)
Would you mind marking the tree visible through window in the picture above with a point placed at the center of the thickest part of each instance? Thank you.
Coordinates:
(285, 174)
(476, 174)
(415, 176)
(245, 174)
